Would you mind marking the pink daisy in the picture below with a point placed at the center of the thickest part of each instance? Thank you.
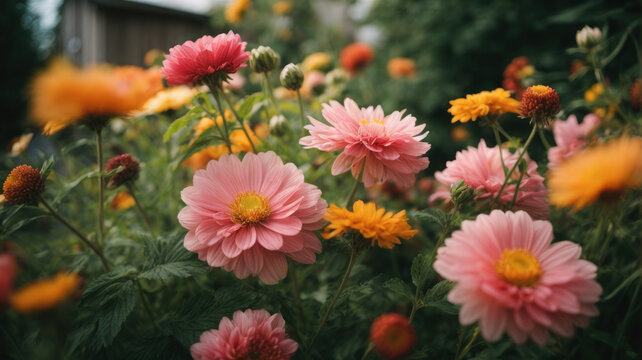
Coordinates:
(481, 169)
(190, 62)
(570, 137)
(390, 146)
(247, 216)
(511, 278)
(251, 334)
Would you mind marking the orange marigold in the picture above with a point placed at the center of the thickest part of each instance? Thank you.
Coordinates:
(23, 185)
(393, 336)
(541, 104)
(496, 102)
(236, 9)
(122, 201)
(355, 57)
(46, 293)
(401, 68)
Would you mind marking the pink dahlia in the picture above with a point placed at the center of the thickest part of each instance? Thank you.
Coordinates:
(251, 334)
(481, 169)
(510, 278)
(190, 62)
(390, 146)
(570, 137)
(247, 216)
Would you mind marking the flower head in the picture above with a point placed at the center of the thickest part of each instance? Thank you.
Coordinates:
(63, 94)
(263, 59)
(540, 103)
(401, 68)
(485, 103)
(282, 7)
(7, 274)
(217, 56)
(588, 37)
(481, 169)
(384, 228)
(248, 216)
(570, 137)
(122, 201)
(316, 61)
(236, 9)
(385, 147)
(46, 293)
(173, 98)
(130, 170)
(599, 173)
(393, 336)
(511, 279)
(355, 57)
(23, 185)
(251, 334)
(291, 77)
(515, 73)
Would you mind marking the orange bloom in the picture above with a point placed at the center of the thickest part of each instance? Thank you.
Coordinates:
(459, 134)
(122, 201)
(540, 103)
(401, 68)
(236, 9)
(23, 185)
(471, 107)
(355, 57)
(393, 336)
(46, 293)
(281, 7)
(63, 94)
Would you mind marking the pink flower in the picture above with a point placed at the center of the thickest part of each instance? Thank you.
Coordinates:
(247, 216)
(251, 334)
(191, 61)
(389, 145)
(570, 137)
(481, 169)
(511, 278)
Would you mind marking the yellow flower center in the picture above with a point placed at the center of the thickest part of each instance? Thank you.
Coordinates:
(250, 208)
(518, 267)
(540, 89)
(374, 120)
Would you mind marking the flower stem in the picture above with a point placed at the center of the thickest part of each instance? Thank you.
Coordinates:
(519, 159)
(499, 146)
(519, 182)
(295, 290)
(146, 305)
(302, 110)
(542, 136)
(353, 192)
(130, 187)
(94, 247)
(101, 185)
(462, 354)
(268, 89)
(219, 108)
(239, 119)
(353, 258)
(371, 347)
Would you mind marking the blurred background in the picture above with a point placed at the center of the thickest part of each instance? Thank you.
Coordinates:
(458, 47)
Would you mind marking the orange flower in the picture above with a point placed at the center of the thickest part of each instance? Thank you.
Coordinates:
(23, 185)
(281, 7)
(236, 9)
(459, 134)
(540, 103)
(356, 56)
(471, 107)
(46, 293)
(122, 201)
(393, 336)
(63, 94)
(401, 68)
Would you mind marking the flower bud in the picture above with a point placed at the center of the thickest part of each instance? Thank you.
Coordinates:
(23, 185)
(588, 38)
(541, 104)
(263, 59)
(279, 125)
(460, 193)
(336, 77)
(291, 77)
(129, 173)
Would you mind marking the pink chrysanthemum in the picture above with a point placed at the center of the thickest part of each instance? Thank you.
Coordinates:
(511, 278)
(390, 145)
(251, 334)
(570, 137)
(481, 169)
(193, 60)
(247, 216)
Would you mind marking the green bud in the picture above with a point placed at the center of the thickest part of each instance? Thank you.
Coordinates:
(588, 38)
(461, 193)
(263, 59)
(336, 77)
(279, 125)
(292, 77)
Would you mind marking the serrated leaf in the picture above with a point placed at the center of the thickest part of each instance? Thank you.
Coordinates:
(46, 167)
(437, 297)
(432, 215)
(399, 287)
(247, 107)
(181, 122)
(205, 139)
(421, 270)
(169, 259)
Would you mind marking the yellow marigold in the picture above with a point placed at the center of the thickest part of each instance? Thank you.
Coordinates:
(282, 7)
(459, 133)
(236, 9)
(169, 99)
(376, 224)
(46, 293)
(494, 102)
(598, 173)
(316, 61)
(63, 94)
(153, 56)
(122, 201)
(594, 92)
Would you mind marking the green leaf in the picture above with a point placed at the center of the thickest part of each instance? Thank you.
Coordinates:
(19, 216)
(247, 108)
(432, 215)
(46, 167)
(620, 44)
(205, 139)
(71, 185)
(623, 285)
(169, 259)
(181, 122)
(421, 270)
(76, 144)
(399, 287)
(437, 297)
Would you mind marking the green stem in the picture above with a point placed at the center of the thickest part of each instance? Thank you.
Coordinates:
(519, 159)
(415, 305)
(352, 261)
(599, 76)
(302, 110)
(130, 187)
(519, 182)
(94, 247)
(542, 137)
(371, 347)
(219, 108)
(239, 119)
(295, 289)
(148, 309)
(101, 186)
(268, 89)
(353, 192)
(466, 349)
(499, 146)
(502, 131)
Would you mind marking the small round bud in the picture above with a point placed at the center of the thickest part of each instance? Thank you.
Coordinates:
(129, 173)
(263, 59)
(460, 193)
(393, 336)
(337, 76)
(541, 104)
(588, 38)
(279, 125)
(23, 185)
(291, 77)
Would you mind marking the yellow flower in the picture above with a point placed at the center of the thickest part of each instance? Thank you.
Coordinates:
(282, 7)
(459, 133)
(316, 61)
(235, 10)
(153, 56)
(46, 293)
(122, 201)
(598, 173)
(594, 92)
(376, 224)
(494, 102)
(173, 98)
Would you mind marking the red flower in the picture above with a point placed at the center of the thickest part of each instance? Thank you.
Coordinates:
(540, 103)
(7, 274)
(356, 56)
(393, 336)
(23, 185)
(128, 173)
